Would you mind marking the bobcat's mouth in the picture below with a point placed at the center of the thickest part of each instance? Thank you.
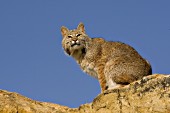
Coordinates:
(75, 43)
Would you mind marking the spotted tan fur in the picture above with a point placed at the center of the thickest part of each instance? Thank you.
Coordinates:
(113, 63)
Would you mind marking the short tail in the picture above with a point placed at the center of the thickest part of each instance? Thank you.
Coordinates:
(150, 68)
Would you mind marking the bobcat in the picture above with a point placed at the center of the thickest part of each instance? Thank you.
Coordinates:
(114, 64)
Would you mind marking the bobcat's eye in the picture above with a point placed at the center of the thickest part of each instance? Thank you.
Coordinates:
(78, 35)
(69, 36)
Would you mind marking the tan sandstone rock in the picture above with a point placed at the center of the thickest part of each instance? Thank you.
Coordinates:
(149, 95)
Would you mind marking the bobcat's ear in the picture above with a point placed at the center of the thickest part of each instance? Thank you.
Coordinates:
(64, 31)
(81, 27)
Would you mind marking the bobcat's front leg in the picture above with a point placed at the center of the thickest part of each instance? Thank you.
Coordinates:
(101, 78)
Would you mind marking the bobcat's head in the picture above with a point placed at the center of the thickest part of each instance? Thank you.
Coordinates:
(74, 41)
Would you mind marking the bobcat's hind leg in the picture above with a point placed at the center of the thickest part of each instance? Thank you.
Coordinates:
(112, 85)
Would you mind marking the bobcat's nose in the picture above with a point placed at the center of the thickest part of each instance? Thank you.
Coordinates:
(74, 39)
(73, 43)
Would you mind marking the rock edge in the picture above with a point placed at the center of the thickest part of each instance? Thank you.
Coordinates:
(149, 95)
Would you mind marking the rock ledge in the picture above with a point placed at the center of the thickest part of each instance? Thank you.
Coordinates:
(149, 95)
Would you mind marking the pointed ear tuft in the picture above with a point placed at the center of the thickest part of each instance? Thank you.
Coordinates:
(81, 27)
(64, 30)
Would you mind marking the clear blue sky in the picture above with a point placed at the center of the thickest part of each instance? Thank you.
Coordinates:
(32, 61)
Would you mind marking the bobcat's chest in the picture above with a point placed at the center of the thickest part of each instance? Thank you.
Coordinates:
(89, 68)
